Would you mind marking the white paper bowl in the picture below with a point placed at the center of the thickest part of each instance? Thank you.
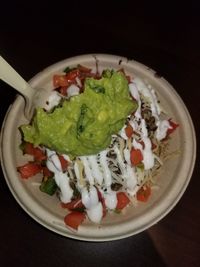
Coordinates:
(172, 181)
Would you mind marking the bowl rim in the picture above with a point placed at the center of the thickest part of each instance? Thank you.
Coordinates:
(51, 69)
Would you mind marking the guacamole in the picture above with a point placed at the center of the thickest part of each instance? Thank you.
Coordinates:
(83, 125)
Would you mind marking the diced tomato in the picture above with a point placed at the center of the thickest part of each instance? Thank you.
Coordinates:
(29, 169)
(173, 127)
(136, 156)
(102, 200)
(122, 200)
(71, 76)
(129, 130)
(74, 219)
(63, 90)
(74, 204)
(144, 193)
(64, 163)
(28, 148)
(60, 80)
(47, 172)
(65, 80)
(36, 152)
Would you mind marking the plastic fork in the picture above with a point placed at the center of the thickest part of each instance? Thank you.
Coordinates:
(33, 97)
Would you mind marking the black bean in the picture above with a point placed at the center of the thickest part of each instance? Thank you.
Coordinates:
(116, 186)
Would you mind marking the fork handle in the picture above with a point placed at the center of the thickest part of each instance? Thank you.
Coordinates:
(11, 77)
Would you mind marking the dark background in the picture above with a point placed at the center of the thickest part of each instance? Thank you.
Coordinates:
(164, 36)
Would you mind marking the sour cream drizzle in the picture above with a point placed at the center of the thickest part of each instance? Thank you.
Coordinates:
(162, 127)
(148, 156)
(97, 174)
(110, 199)
(109, 195)
(61, 179)
(148, 93)
(138, 86)
(93, 206)
(127, 170)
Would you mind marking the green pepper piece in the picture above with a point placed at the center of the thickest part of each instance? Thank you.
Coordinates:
(49, 186)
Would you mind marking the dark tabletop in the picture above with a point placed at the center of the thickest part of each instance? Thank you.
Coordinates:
(163, 36)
